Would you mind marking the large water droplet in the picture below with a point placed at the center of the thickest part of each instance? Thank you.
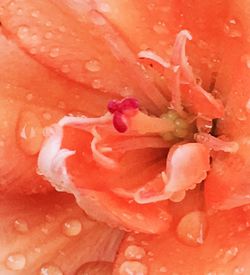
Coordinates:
(134, 252)
(233, 28)
(29, 133)
(192, 228)
(21, 226)
(50, 270)
(16, 261)
(93, 65)
(72, 227)
(133, 268)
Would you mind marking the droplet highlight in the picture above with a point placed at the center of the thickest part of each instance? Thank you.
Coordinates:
(50, 270)
(134, 252)
(93, 65)
(133, 268)
(29, 133)
(192, 228)
(72, 228)
(16, 261)
(21, 226)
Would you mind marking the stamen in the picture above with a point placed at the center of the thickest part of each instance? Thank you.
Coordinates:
(121, 110)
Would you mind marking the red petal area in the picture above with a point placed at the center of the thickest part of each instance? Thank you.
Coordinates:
(125, 214)
(228, 183)
(87, 52)
(224, 251)
(50, 233)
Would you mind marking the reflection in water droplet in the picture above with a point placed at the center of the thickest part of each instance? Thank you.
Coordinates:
(21, 226)
(133, 268)
(50, 270)
(134, 252)
(192, 228)
(16, 261)
(93, 65)
(233, 28)
(72, 228)
(29, 133)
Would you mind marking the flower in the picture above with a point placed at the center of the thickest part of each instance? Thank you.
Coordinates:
(113, 113)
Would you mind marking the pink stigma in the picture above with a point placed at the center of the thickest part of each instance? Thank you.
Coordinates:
(121, 109)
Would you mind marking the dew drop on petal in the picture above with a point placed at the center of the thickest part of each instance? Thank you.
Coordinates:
(93, 65)
(72, 227)
(232, 28)
(35, 13)
(192, 228)
(133, 268)
(239, 270)
(134, 252)
(50, 270)
(163, 269)
(16, 261)
(22, 32)
(48, 35)
(54, 52)
(29, 133)
(21, 226)
(96, 84)
(227, 255)
(65, 68)
(104, 7)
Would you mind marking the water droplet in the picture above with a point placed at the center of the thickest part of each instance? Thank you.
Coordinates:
(48, 24)
(22, 32)
(54, 52)
(140, 217)
(233, 28)
(65, 68)
(35, 13)
(240, 115)
(134, 252)
(33, 51)
(29, 133)
(163, 269)
(72, 228)
(246, 60)
(133, 267)
(93, 65)
(62, 29)
(239, 270)
(29, 96)
(227, 255)
(47, 116)
(98, 19)
(192, 228)
(160, 28)
(48, 35)
(19, 12)
(96, 84)
(21, 226)
(104, 7)
(16, 261)
(50, 270)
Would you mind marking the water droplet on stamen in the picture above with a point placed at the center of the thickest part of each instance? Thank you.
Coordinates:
(16, 261)
(133, 267)
(72, 228)
(50, 270)
(93, 65)
(134, 252)
(192, 228)
(21, 226)
(29, 133)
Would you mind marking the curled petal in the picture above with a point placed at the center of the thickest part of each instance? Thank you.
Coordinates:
(217, 144)
(187, 165)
